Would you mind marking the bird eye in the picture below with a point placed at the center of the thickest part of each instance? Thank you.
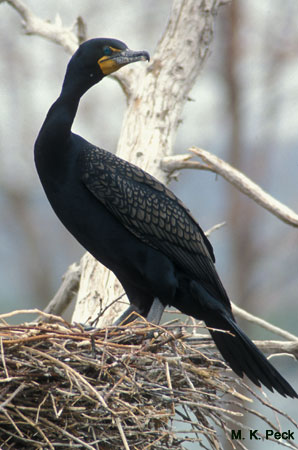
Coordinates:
(107, 51)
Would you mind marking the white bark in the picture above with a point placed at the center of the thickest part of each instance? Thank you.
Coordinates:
(238, 179)
(157, 95)
(55, 32)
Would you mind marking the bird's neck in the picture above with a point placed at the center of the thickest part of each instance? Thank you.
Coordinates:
(62, 113)
(53, 144)
(56, 129)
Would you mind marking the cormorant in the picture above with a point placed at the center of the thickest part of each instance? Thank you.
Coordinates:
(133, 224)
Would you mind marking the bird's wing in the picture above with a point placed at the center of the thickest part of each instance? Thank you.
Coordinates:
(150, 211)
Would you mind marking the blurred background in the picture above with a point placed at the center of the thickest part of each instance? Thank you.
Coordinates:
(243, 108)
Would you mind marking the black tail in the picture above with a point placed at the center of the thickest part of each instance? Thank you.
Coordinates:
(236, 348)
(245, 358)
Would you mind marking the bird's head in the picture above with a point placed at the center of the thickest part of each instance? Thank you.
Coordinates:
(99, 57)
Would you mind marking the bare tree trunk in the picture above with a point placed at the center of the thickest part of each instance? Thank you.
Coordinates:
(156, 96)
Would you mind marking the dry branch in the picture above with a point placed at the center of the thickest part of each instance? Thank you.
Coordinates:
(55, 32)
(241, 313)
(270, 347)
(117, 388)
(233, 176)
(65, 294)
(68, 37)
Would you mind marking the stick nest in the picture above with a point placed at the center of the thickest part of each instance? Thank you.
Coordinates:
(134, 387)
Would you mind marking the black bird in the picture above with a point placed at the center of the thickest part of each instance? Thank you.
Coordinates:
(133, 224)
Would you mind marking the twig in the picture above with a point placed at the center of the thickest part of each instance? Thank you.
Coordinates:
(12, 396)
(175, 163)
(51, 317)
(12, 422)
(66, 433)
(102, 311)
(169, 381)
(34, 425)
(3, 359)
(214, 228)
(123, 437)
(74, 373)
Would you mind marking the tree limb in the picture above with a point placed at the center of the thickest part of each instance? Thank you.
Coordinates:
(54, 32)
(241, 313)
(235, 177)
(278, 348)
(66, 293)
(68, 37)
(270, 347)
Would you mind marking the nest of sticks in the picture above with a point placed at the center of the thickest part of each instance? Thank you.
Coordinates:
(135, 387)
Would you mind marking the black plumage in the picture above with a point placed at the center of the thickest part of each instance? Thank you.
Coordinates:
(133, 224)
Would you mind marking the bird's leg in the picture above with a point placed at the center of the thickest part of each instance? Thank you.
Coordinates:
(155, 312)
(128, 313)
(154, 315)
